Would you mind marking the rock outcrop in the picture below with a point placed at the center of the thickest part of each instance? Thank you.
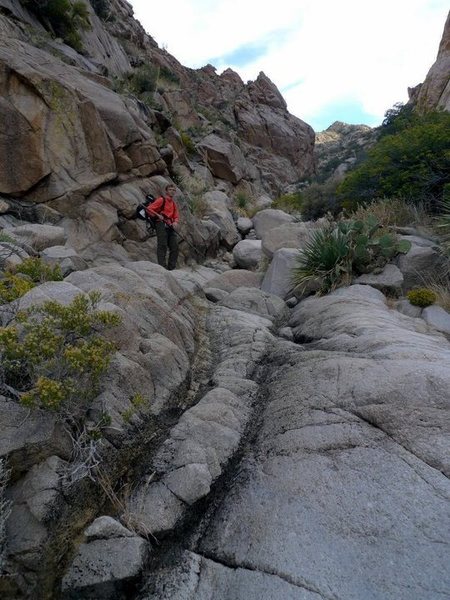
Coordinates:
(434, 92)
(341, 147)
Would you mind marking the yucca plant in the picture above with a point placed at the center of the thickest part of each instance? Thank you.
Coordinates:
(338, 251)
(443, 226)
(325, 257)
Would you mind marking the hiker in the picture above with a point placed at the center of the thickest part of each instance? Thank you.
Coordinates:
(165, 211)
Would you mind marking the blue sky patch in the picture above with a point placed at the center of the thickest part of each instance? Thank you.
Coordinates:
(248, 53)
(242, 56)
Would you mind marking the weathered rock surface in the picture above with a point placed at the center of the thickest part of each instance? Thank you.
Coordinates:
(268, 219)
(389, 281)
(434, 92)
(342, 492)
(288, 235)
(278, 277)
(337, 147)
(247, 254)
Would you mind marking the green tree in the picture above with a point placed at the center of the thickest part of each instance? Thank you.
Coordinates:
(413, 163)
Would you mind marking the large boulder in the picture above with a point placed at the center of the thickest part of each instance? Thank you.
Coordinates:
(224, 159)
(247, 254)
(287, 235)
(278, 277)
(218, 212)
(419, 263)
(268, 219)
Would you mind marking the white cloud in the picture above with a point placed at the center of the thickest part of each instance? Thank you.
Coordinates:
(353, 52)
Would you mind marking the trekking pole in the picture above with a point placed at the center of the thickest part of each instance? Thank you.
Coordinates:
(182, 238)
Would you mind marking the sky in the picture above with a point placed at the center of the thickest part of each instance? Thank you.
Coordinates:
(332, 60)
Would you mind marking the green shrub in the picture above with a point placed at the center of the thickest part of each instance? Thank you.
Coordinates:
(168, 75)
(242, 200)
(398, 118)
(290, 203)
(143, 79)
(101, 9)
(62, 18)
(390, 212)
(187, 142)
(413, 163)
(338, 251)
(38, 271)
(421, 297)
(137, 402)
(55, 355)
(319, 199)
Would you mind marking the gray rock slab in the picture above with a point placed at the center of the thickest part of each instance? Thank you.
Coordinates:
(278, 277)
(253, 300)
(39, 236)
(215, 294)
(287, 235)
(28, 437)
(101, 566)
(406, 308)
(154, 509)
(106, 528)
(437, 317)
(389, 281)
(230, 280)
(337, 522)
(190, 482)
(203, 579)
(66, 258)
(40, 487)
(244, 224)
(418, 264)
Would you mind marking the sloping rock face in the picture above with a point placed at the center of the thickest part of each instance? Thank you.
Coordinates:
(343, 490)
(316, 469)
(434, 92)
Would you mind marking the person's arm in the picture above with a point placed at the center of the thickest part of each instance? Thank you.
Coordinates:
(176, 214)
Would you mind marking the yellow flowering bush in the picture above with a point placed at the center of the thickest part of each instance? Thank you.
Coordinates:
(18, 280)
(13, 287)
(422, 297)
(54, 356)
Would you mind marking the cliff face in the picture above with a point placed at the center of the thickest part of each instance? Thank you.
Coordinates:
(434, 92)
(67, 131)
(340, 147)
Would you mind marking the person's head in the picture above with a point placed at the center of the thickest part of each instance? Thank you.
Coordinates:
(171, 190)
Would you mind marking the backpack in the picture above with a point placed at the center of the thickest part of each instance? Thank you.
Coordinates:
(142, 214)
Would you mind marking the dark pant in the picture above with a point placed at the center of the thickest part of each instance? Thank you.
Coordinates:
(166, 238)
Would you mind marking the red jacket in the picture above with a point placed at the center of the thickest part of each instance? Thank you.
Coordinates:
(170, 212)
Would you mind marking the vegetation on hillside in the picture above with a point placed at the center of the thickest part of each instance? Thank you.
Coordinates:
(410, 161)
(63, 18)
